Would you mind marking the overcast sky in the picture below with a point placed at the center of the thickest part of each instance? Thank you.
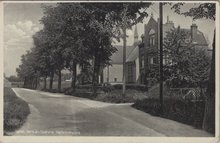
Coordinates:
(21, 21)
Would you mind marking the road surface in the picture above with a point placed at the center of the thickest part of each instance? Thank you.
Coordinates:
(57, 114)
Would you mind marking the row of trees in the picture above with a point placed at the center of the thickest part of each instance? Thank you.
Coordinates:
(76, 33)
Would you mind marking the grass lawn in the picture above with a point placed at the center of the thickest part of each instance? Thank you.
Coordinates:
(16, 111)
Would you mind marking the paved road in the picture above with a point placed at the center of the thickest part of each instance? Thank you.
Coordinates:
(58, 114)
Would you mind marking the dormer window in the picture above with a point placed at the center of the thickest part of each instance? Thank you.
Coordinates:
(152, 37)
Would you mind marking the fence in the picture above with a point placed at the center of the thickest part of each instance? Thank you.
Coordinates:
(192, 94)
(194, 97)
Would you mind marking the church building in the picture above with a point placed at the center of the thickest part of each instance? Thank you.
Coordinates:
(114, 73)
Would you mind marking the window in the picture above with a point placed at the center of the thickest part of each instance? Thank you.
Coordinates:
(130, 72)
(142, 61)
(115, 79)
(152, 40)
(153, 60)
(152, 37)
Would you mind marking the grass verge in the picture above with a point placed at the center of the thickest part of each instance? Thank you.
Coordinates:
(16, 111)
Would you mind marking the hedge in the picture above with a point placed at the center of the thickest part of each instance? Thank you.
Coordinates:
(187, 112)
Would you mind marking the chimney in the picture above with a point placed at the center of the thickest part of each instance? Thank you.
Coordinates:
(178, 28)
(167, 19)
(193, 30)
(135, 35)
(142, 37)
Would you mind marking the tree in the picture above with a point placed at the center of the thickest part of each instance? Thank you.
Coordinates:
(177, 52)
(27, 71)
(205, 10)
(199, 64)
(65, 40)
(108, 20)
(186, 64)
(45, 63)
(13, 78)
(52, 22)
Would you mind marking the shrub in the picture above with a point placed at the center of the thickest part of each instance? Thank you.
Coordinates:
(85, 93)
(116, 96)
(175, 109)
(15, 110)
(112, 96)
(51, 90)
(140, 87)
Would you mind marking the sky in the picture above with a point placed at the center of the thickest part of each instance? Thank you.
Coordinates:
(21, 21)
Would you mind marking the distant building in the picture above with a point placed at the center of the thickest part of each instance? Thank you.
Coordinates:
(132, 61)
(114, 72)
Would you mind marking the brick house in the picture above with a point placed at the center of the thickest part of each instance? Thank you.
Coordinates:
(149, 49)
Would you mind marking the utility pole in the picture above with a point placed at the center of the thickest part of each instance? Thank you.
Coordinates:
(161, 54)
(124, 61)
(124, 27)
(108, 74)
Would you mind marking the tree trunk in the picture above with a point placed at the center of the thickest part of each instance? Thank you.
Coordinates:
(29, 82)
(101, 77)
(45, 82)
(35, 83)
(73, 83)
(95, 73)
(51, 80)
(82, 80)
(32, 83)
(209, 115)
(25, 82)
(59, 80)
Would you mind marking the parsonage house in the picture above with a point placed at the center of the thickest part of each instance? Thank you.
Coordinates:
(143, 56)
(149, 49)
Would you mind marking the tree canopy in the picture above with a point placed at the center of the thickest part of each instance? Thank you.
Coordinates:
(80, 33)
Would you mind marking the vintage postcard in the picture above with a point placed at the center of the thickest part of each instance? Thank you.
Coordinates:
(112, 71)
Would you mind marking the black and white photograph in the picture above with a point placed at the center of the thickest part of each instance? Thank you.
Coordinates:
(122, 69)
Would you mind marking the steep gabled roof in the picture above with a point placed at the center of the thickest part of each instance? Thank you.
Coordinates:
(199, 38)
(133, 55)
(117, 57)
